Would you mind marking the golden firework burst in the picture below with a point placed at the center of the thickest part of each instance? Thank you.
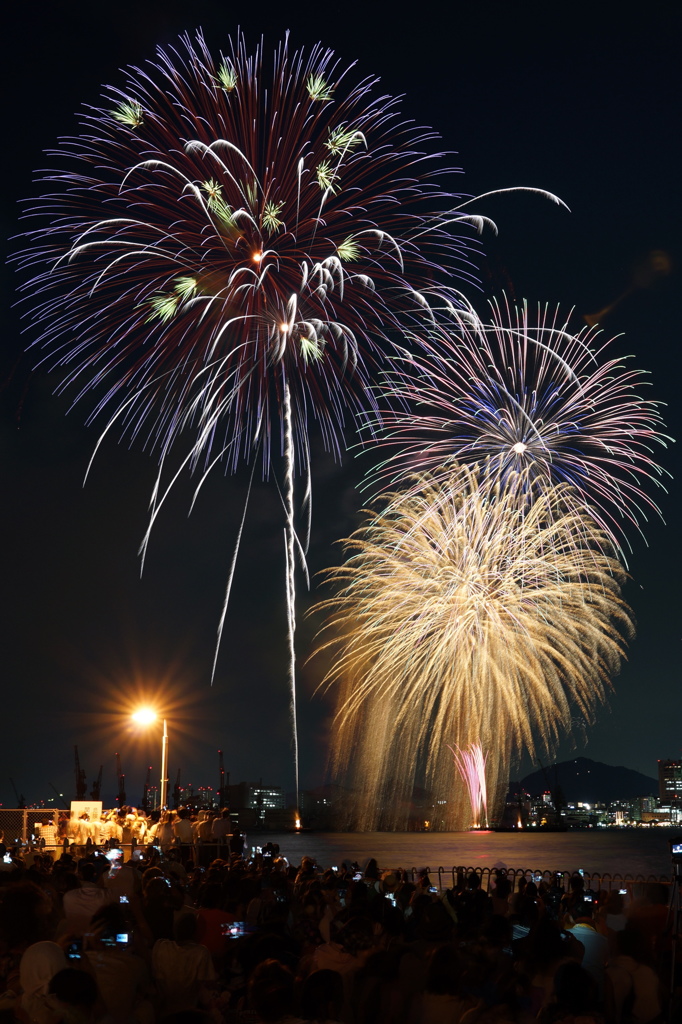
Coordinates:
(459, 618)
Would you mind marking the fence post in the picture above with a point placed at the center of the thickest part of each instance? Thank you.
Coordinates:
(24, 825)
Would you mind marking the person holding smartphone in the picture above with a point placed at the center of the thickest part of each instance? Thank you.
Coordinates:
(595, 945)
(123, 980)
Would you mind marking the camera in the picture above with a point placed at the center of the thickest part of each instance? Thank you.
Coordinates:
(676, 849)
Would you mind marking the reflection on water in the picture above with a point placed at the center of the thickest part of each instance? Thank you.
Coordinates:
(636, 852)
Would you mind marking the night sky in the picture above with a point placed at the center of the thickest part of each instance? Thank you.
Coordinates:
(585, 105)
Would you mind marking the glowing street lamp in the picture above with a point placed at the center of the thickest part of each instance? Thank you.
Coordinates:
(145, 716)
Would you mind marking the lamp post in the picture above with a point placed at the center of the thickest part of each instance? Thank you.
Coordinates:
(145, 716)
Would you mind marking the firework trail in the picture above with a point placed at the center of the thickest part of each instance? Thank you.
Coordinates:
(529, 397)
(471, 766)
(227, 253)
(460, 618)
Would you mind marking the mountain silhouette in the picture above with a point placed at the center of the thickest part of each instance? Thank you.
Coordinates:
(582, 779)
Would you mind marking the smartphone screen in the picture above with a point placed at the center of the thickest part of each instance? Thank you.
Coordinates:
(232, 930)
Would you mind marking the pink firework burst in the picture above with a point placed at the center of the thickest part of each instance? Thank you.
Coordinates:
(471, 766)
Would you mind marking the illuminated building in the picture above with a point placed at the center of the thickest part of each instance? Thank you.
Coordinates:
(670, 782)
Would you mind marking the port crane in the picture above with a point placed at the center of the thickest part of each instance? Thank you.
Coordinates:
(145, 794)
(81, 785)
(222, 787)
(97, 786)
(121, 798)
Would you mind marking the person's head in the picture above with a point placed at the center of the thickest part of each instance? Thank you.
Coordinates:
(614, 902)
(434, 924)
(502, 887)
(24, 911)
(322, 996)
(632, 942)
(108, 922)
(575, 989)
(149, 873)
(356, 935)
(546, 945)
(473, 881)
(372, 869)
(211, 895)
(584, 910)
(443, 977)
(496, 932)
(88, 871)
(271, 992)
(157, 891)
(186, 928)
(389, 881)
(73, 994)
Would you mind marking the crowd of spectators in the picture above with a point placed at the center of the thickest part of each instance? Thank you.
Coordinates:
(87, 936)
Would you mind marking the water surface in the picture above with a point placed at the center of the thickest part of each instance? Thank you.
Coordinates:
(604, 851)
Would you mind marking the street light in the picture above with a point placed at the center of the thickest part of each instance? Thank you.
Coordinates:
(145, 716)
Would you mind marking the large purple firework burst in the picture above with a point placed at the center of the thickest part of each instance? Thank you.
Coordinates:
(531, 402)
(232, 252)
(227, 232)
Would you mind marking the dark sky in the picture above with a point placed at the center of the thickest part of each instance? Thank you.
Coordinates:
(583, 104)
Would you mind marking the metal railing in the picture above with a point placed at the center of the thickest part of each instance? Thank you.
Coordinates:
(449, 878)
(19, 824)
